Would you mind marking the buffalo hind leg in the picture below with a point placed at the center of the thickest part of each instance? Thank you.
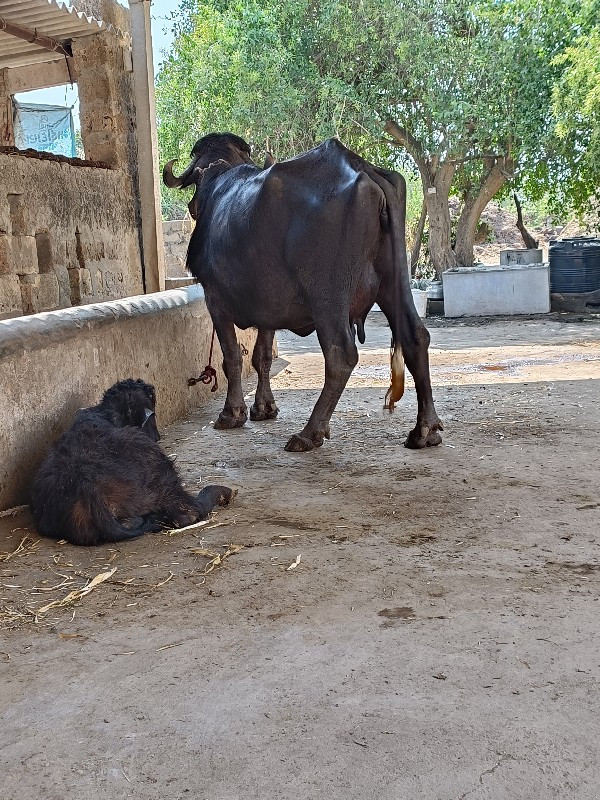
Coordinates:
(415, 346)
(235, 412)
(264, 406)
(414, 340)
(341, 356)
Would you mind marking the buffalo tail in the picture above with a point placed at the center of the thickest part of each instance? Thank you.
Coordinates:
(396, 390)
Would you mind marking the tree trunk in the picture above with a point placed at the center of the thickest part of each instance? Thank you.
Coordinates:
(476, 200)
(466, 231)
(529, 241)
(441, 254)
(416, 248)
(437, 180)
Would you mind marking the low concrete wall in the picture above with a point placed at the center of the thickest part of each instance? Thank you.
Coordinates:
(53, 363)
(485, 291)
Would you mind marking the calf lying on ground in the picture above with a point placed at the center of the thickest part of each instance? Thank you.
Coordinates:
(106, 479)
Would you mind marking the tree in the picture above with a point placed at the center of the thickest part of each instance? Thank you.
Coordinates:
(462, 89)
(576, 105)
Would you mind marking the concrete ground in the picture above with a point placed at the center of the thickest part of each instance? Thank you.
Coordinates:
(437, 638)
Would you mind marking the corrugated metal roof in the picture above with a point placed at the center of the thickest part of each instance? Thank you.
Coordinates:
(48, 18)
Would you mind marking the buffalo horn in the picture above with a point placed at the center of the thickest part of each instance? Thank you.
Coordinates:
(174, 182)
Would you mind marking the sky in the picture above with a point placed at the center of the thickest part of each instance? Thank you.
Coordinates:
(160, 10)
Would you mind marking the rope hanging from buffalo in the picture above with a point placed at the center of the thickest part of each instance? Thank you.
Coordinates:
(209, 373)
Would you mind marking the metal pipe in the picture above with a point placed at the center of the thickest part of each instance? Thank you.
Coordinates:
(31, 35)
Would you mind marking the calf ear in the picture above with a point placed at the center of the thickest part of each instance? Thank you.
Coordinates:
(269, 161)
(149, 425)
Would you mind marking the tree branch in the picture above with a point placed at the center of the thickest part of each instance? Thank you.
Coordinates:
(408, 141)
(416, 248)
(528, 239)
(475, 202)
(476, 157)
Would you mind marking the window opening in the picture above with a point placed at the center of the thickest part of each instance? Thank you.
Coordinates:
(48, 120)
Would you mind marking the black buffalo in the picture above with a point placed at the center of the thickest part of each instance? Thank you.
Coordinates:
(306, 244)
(106, 479)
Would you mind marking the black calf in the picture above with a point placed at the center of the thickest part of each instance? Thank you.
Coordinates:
(106, 479)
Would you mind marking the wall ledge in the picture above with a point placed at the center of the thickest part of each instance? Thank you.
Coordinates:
(36, 331)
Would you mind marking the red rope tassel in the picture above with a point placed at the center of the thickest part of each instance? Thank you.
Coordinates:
(209, 373)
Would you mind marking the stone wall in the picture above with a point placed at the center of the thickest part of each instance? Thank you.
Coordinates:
(68, 235)
(176, 235)
(70, 232)
(51, 364)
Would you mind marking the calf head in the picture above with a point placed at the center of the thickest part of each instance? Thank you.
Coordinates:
(132, 403)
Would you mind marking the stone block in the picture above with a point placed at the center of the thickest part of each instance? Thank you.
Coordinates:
(178, 271)
(5, 222)
(24, 255)
(40, 292)
(48, 293)
(18, 214)
(170, 226)
(64, 287)
(175, 237)
(45, 258)
(100, 147)
(71, 258)
(86, 283)
(93, 250)
(178, 283)
(5, 254)
(75, 292)
(10, 296)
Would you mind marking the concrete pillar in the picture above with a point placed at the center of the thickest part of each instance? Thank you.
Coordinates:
(147, 141)
(7, 134)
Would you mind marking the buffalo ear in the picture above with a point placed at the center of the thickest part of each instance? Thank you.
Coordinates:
(269, 161)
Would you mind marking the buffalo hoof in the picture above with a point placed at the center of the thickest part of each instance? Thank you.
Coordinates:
(132, 522)
(227, 421)
(424, 436)
(302, 444)
(212, 496)
(216, 496)
(183, 520)
(227, 496)
(263, 411)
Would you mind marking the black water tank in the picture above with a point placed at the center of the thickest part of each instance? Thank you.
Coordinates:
(575, 265)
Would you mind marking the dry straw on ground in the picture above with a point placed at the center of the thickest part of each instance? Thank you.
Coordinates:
(26, 545)
(216, 559)
(77, 594)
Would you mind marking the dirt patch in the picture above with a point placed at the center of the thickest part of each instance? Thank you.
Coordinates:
(376, 622)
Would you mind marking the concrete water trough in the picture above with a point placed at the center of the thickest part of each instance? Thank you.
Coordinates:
(502, 289)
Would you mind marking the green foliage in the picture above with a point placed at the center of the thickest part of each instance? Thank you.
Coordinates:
(576, 105)
(414, 201)
(536, 212)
